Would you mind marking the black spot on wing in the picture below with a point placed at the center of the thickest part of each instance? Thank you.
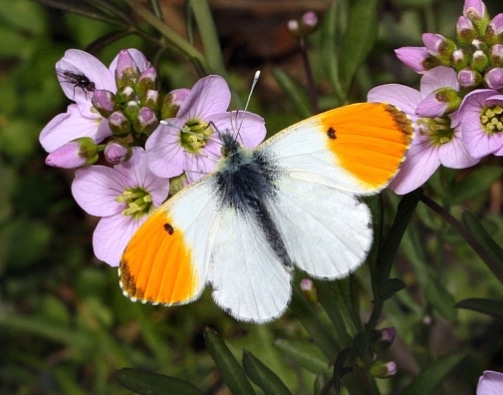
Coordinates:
(331, 133)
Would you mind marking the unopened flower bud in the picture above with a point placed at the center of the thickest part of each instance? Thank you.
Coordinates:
(293, 27)
(439, 46)
(475, 11)
(117, 151)
(305, 26)
(104, 102)
(478, 44)
(417, 58)
(496, 55)
(131, 109)
(146, 121)
(125, 94)
(170, 106)
(469, 78)
(438, 103)
(494, 31)
(146, 81)
(152, 99)
(382, 370)
(493, 78)
(126, 72)
(480, 61)
(309, 22)
(383, 339)
(119, 123)
(308, 289)
(459, 59)
(465, 30)
(77, 153)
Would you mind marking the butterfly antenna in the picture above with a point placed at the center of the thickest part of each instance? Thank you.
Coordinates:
(254, 82)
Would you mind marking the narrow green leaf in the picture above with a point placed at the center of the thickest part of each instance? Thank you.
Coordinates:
(319, 332)
(487, 249)
(404, 212)
(330, 49)
(264, 377)
(209, 36)
(481, 305)
(146, 383)
(390, 287)
(359, 38)
(295, 92)
(477, 181)
(306, 354)
(232, 373)
(436, 294)
(431, 377)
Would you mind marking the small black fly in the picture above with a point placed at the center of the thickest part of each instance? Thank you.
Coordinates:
(78, 80)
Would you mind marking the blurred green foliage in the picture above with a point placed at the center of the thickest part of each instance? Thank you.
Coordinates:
(65, 327)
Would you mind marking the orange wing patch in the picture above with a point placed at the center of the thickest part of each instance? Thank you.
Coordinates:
(370, 140)
(157, 266)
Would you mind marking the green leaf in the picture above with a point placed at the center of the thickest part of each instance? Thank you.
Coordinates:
(209, 36)
(145, 383)
(431, 377)
(306, 354)
(436, 294)
(321, 334)
(477, 181)
(264, 377)
(487, 249)
(481, 305)
(232, 373)
(404, 212)
(389, 288)
(294, 91)
(330, 50)
(359, 38)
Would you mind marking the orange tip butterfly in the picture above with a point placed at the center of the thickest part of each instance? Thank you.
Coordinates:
(292, 201)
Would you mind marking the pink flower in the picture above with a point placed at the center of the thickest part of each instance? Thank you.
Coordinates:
(80, 75)
(490, 383)
(191, 142)
(481, 117)
(437, 140)
(123, 196)
(80, 120)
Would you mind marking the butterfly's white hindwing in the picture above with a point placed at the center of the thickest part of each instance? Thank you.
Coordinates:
(248, 279)
(327, 232)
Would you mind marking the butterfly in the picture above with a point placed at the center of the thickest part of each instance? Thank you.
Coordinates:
(292, 201)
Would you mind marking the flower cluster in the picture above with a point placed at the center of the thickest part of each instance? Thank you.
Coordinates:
(458, 111)
(128, 140)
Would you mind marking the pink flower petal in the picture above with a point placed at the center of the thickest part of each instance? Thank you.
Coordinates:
(209, 95)
(405, 98)
(71, 125)
(248, 128)
(165, 154)
(80, 62)
(490, 383)
(438, 77)
(136, 173)
(95, 189)
(420, 163)
(111, 236)
(454, 154)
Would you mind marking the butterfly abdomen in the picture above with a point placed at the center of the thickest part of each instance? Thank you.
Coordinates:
(244, 183)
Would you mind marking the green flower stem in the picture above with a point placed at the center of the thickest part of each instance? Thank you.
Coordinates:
(311, 88)
(173, 38)
(470, 239)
